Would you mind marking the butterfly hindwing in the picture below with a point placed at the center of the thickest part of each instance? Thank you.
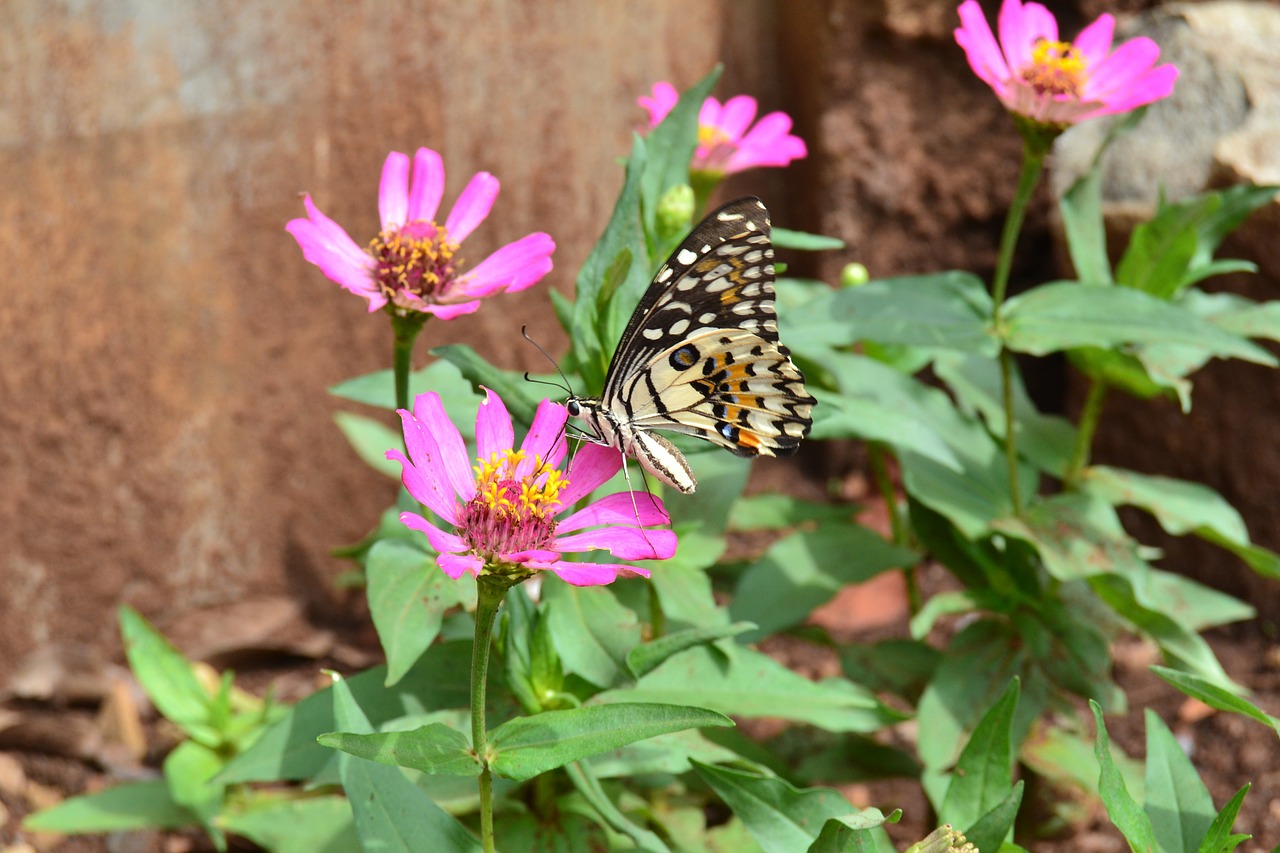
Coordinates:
(701, 356)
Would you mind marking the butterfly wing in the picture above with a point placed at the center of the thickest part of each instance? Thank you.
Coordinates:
(701, 355)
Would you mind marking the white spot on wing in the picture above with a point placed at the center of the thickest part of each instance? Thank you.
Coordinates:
(652, 334)
(679, 326)
(686, 257)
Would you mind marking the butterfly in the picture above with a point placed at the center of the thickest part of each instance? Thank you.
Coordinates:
(701, 356)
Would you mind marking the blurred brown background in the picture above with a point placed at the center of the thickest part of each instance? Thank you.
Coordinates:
(167, 437)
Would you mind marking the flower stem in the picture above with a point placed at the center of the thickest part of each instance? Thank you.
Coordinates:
(491, 590)
(1089, 417)
(405, 330)
(897, 523)
(1034, 149)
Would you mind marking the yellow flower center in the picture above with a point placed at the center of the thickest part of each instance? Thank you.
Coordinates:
(709, 137)
(418, 260)
(1057, 68)
(512, 512)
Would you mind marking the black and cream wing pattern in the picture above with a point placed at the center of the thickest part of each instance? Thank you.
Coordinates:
(701, 354)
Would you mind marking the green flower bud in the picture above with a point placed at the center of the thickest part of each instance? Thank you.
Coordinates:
(854, 275)
(675, 210)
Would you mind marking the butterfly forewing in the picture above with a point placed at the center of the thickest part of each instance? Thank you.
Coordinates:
(701, 356)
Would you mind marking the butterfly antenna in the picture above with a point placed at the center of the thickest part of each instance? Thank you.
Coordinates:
(566, 387)
(635, 508)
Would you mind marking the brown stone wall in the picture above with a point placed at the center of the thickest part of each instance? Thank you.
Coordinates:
(166, 435)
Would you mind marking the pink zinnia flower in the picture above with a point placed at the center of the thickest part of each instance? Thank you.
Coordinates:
(413, 263)
(505, 510)
(1056, 82)
(725, 145)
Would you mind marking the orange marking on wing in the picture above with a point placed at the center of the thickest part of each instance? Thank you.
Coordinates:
(749, 439)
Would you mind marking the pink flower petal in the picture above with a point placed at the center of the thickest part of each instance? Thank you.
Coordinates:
(472, 206)
(709, 113)
(452, 456)
(1094, 41)
(623, 508)
(626, 543)
(451, 311)
(1152, 86)
(427, 186)
(1013, 35)
(768, 144)
(510, 269)
(443, 542)
(736, 116)
(980, 48)
(393, 191)
(1039, 24)
(1119, 71)
(325, 244)
(527, 557)
(591, 574)
(454, 565)
(494, 434)
(545, 438)
(591, 467)
(664, 98)
(424, 480)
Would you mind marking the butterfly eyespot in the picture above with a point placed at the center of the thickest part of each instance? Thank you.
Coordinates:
(729, 431)
(685, 357)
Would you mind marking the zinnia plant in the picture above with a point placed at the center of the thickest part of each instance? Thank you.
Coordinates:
(728, 142)
(504, 514)
(1055, 82)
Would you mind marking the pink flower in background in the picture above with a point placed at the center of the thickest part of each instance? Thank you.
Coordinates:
(727, 142)
(414, 263)
(1056, 82)
(504, 510)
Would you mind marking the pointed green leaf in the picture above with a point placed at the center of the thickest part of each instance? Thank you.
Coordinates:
(1126, 814)
(984, 772)
(391, 813)
(167, 677)
(379, 389)
(1177, 802)
(133, 805)
(670, 147)
(1219, 839)
(188, 770)
(1065, 315)
(526, 746)
(781, 818)
(585, 780)
(751, 684)
(844, 835)
(408, 596)
(371, 440)
(521, 400)
(802, 241)
(990, 830)
(1081, 208)
(592, 632)
(1214, 696)
(436, 749)
(646, 657)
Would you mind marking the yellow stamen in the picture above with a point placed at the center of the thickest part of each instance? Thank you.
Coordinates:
(1057, 68)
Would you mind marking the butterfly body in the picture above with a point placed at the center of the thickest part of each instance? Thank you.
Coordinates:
(701, 355)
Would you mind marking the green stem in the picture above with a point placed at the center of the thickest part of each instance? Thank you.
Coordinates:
(897, 523)
(491, 590)
(1089, 417)
(405, 330)
(657, 618)
(1034, 149)
(704, 184)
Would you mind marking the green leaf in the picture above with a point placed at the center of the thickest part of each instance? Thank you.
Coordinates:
(780, 817)
(526, 746)
(379, 389)
(295, 825)
(751, 684)
(408, 596)
(593, 792)
(1077, 536)
(1236, 314)
(566, 832)
(436, 749)
(288, 749)
(804, 570)
(391, 813)
(949, 310)
(646, 657)
(167, 677)
(133, 805)
(984, 773)
(899, 666)
(802, 241)
(846, 835)
(371, 440)
(1177, 802)
(592, 632)
(1219, 838)
(614, 276)
(188, 770)
(1182, 507)
(667, 754)
(670, 147)
(1081, 208)
(1215, 697)
(990, 830)
(1127, 816)
(519, 397)
(1065, 315)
